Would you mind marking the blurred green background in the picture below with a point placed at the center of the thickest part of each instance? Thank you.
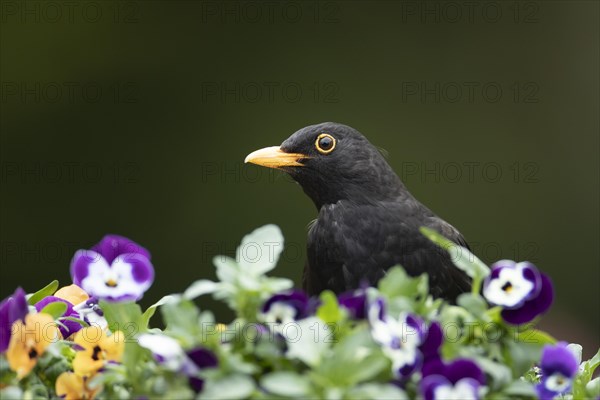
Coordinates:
(134, 118)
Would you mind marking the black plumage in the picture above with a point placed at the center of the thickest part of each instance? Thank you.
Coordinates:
(368, 221)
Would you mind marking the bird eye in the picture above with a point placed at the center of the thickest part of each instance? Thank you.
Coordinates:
(325, 143)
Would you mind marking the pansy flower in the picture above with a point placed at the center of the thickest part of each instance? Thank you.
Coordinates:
(460, 379)
(169, 353)
(12, 309)
(558, 367)
(71, 386)
(285, 308)
(72, 293)
(400, 338)
(91, 313)
(165, 350)
(96, 348)
(115, 269)
(355, 303)
(201, 358)
(520, 289)
(29, 341)
(67, 328)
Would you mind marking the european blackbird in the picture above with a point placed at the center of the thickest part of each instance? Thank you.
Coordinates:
(368, 221)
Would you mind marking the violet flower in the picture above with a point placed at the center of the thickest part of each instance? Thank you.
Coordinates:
(520, 289)
(12, 309)
(116, 269)
(167, 352)
(559, 367)
(201, 358)
(459, 379)
(91, 312)
(66, 327)
(355, 303)
(284, 308)
(400, 338)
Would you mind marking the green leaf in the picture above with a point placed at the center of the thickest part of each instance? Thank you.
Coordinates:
(500, 373)
(308, 340)
(46, 291)
(56, 309)
(260, 250)
(199, 288)
(534, 336)
(593, 388)
(461, 256)
(376, 391)
(228, 388)
(398, 283)
(584, 376)
(329, 310)
(182, 319)
(355, 359)
(473, 303)
(286, 383)
(149, 313)
(227, 269)
(522, 356)
(520, 388)
(123, 316)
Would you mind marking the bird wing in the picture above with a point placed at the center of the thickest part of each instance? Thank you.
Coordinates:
(352, 245)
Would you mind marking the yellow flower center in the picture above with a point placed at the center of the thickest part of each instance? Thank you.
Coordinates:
(508, 287)
(111, 283)
(97, 351)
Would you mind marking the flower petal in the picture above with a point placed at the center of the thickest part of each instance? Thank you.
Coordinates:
(81, 263)
(72, 293)
(532, 308)
(12, 309)
(112, 246)
(432, 343)
(558, 358)
(69, 327)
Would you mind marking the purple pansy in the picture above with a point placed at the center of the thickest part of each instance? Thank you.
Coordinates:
(66, 327)
(355, 303)
(91, 312)
(12, 308)
(400, 338)
(430, 348)
(558, 367)
(169, 353)
(520, 289)
(201, 358)
(115, 269)
(284, 308)
(459, 379)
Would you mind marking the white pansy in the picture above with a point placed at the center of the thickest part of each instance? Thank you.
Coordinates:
(462, 390)
(279, 313)
(510, 287)
(558, 383)
(90, 315)
(114, 280)
(400, 341)
(166, 349)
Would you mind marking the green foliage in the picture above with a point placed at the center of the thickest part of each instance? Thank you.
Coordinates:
(46, 291)
(326, 354)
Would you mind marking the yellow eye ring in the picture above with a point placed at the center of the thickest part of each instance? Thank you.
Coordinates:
(325, 143)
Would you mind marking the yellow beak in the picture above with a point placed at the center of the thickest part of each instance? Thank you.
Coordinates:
(274, 157)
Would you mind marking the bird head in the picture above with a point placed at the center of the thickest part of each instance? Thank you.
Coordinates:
(332, 162)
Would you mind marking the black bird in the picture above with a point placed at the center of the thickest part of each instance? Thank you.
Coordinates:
(368, 221)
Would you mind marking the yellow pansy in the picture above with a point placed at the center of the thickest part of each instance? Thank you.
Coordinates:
(29, 341)
(97, 349)
(71, 386)
(72, 293)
